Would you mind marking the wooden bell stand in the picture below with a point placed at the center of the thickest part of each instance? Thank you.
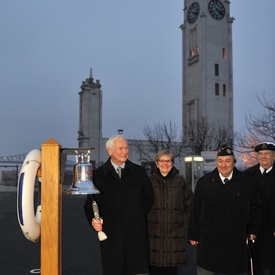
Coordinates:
(53, 160)
(51, 209)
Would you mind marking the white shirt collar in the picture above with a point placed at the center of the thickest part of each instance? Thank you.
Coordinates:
(267, 170)
(116, 166)
(229, 177)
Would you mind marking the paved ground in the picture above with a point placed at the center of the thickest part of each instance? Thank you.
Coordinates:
(81, 254)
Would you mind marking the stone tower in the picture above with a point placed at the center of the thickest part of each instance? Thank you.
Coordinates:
(207, 80)
(90, 117)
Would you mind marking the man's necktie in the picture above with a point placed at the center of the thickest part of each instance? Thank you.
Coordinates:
(119, 171)
(226, 180)
(264, 172)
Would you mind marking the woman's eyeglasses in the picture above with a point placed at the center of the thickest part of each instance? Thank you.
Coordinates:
(165, 161)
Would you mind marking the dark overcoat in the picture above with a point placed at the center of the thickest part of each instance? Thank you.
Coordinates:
(223, 215)
(167, 218)
(265, 243)
(123, 205)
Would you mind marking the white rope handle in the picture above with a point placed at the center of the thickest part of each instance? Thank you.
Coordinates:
(101, 235)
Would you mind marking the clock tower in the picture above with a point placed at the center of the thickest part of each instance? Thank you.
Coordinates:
(207, 88)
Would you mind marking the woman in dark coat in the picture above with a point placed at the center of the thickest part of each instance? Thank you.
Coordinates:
(167, 218)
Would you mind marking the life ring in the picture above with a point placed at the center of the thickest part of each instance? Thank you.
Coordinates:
(28, 221)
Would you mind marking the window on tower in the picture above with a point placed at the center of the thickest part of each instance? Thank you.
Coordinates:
(224, 54)
(217, 89)
(216, 69)
(194, 52)
(193, 46)
(224, 90)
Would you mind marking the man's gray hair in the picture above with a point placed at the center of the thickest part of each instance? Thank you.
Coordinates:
(110, 141)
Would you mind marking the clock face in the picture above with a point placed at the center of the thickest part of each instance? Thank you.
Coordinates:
(193, 12)
(216, 9)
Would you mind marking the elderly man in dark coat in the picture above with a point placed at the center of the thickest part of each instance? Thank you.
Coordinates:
(226, 212)
(264, 173)
(124, 201)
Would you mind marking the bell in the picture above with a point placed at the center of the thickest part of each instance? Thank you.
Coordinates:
(82, 177)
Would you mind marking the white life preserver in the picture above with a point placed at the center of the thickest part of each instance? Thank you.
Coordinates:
(28, 220)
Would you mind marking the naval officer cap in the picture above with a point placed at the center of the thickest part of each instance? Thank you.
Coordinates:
(265, 146)
(225, 150)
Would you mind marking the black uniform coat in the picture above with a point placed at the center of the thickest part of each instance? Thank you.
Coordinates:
(265, 242)
(123, 205)
(222, 217)
(167, 218)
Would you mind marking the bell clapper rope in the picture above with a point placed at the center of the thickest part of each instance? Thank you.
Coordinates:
(101, 235)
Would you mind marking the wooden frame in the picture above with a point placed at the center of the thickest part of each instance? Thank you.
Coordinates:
(51, 209)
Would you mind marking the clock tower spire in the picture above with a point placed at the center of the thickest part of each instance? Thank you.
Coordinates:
(207, 74)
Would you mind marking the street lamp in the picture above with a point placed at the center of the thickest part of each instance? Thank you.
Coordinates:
(194, 167)
(120, 131)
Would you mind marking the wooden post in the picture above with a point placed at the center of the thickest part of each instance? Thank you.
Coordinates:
(51, 209)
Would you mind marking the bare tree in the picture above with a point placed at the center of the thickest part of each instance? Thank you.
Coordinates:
(263, 125)
(258, 128)
(203, 135)
(159, 137)
(200, 136)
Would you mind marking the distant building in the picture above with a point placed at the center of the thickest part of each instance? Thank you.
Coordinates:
(90, 117)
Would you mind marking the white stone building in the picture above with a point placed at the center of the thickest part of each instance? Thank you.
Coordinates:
(207, 67)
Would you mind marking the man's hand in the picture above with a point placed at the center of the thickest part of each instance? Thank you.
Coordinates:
(193, 242)
(252, 237)
(97, 225)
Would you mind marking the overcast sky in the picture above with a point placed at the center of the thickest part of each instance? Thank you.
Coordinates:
(134, 47)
